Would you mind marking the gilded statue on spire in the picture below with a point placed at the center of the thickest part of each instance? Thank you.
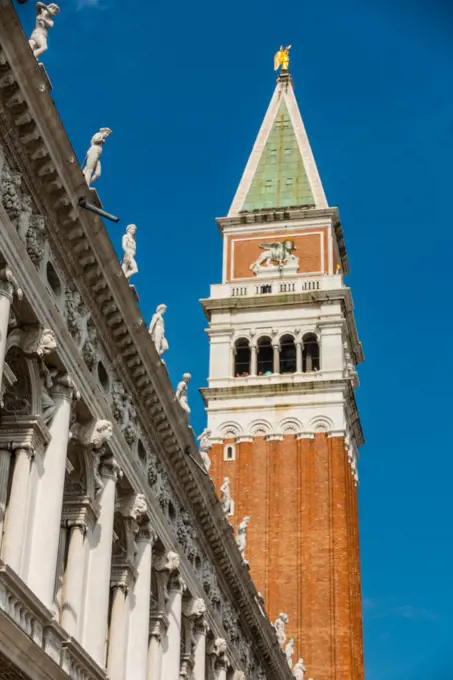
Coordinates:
(282, 58)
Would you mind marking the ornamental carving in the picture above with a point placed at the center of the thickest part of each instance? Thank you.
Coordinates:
(35, 239)
(38, 342)
(11, 182)
(93, 434)
(230, 620)
(124, 412)
(77, 318)
(90, 348)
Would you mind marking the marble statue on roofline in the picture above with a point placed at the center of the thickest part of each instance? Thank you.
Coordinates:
(280, 622)
(181, 394)
(92, 163)
(299, 670)
(242, 536)
(289, 652)
(128, 264)
(205, 447)
(44, 21)
(157, 330)
(225, 496)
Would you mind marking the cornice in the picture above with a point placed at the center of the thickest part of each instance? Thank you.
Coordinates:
(79, 239)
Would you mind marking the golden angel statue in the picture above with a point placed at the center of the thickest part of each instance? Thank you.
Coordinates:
(282, 58)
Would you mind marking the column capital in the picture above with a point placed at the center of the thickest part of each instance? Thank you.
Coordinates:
(79, 512)
(24, 432)
(9, 285)
(64, 388)
(158, 624)
(123, 576)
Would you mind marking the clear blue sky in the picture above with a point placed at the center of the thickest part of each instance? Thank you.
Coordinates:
(184, 87)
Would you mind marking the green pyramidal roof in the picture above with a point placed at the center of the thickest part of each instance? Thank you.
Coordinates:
(280, 179)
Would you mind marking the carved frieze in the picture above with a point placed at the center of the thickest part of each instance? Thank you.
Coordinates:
(124, 412)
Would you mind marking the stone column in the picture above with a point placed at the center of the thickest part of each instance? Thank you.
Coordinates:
(157, 629)
(171, 643)
(193, 610)
(46, 527)
(253, 359)
(98, 590)
(17, 509)
(74, 577)
(199, 654)
(276, 348)
(8, 287)
(219, 659)
(122, 580)
(137, 650)
(299, 350)
(5, 462)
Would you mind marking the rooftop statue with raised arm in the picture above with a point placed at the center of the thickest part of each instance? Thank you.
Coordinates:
(44, 21)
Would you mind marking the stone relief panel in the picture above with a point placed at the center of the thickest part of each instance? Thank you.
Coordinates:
(124, 412)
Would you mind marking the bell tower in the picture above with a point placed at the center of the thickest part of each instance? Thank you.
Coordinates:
(280, 397)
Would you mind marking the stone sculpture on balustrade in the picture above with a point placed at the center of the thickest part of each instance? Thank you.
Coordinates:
(280, 623)
(181, 394)
(157, 330)
(92, 162)
(242, 536)
(289, 652)
(129, 244)
(225, 496)
(205, 447)
(44, 22)
(299, 670)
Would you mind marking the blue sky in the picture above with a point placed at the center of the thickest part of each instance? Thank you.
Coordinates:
(184, 87)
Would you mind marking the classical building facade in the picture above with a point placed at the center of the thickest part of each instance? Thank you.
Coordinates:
(280, 400)
(116, 558)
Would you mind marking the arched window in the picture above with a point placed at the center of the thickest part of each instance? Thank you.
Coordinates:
(229, 452)
(241, 357)
(288, 354)
(310, 355)
(265, 358)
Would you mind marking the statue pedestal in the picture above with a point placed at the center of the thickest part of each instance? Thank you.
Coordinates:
(272, 271)
(45, 76)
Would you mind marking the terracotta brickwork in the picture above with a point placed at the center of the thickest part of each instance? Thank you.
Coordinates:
(303, 543)
(311, 249)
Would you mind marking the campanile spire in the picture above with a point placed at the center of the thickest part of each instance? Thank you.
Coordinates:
(280, 397)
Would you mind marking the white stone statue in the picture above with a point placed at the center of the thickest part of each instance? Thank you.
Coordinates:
(277, 257)
(181, 393)
(92, 170)
(289, 652)
(157, 330)
(205, 447)
(225, 496)
(44, 21)
(242, 536)
(129, 265)
(38, 342)
(299, 670)
(279, 625)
